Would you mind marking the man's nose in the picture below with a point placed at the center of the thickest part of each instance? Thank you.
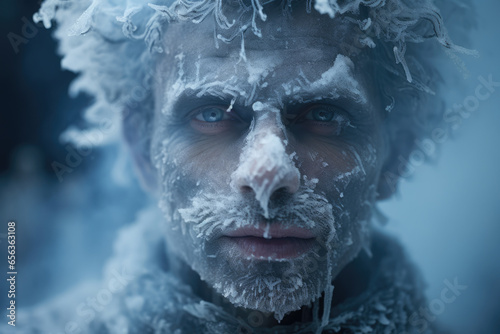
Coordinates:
(265, 169)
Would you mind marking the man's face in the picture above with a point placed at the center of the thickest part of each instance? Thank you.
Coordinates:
(268, 160)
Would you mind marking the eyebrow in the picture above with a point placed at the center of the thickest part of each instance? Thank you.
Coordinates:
(218, 91)
(336, 83)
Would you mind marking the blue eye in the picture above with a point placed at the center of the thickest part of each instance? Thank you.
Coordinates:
(325, 120)
(322, 114)
(211, 114)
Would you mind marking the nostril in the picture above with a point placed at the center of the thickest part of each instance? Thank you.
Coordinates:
(246, 189)
(280, 192)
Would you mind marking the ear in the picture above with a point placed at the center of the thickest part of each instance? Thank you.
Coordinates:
(137, 133)
(389, 177)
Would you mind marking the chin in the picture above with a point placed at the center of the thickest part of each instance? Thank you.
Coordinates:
(271, 286)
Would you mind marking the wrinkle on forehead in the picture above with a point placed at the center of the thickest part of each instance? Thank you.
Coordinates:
(293, 60)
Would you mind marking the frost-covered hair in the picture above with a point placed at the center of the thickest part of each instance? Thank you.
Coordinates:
(113, 46)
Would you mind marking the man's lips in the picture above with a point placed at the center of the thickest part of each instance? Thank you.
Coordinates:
(268, 241)
(271, 231)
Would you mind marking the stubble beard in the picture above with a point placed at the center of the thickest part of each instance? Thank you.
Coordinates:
(269, 286)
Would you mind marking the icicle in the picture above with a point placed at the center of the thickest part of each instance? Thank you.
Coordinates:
(308, 6)
(327, 305)
(399, 54)
(243, 55)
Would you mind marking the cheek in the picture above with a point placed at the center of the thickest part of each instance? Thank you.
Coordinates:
(346, 173)
(198, 163)
(332, 161)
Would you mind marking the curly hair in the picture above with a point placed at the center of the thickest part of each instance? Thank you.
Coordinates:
(113, 46)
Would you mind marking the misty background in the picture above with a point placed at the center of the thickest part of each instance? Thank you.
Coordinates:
(447, 213)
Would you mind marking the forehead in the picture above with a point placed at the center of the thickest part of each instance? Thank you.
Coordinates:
(280, 30)
(299, 46)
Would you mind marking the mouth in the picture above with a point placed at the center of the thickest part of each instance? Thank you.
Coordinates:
(268, 242)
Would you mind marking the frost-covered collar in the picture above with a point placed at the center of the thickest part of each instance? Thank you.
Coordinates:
(156, 301)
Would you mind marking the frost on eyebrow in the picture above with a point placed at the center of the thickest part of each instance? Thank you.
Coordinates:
(339, 80)
(340, 76)
(199, 86)
(255, 71)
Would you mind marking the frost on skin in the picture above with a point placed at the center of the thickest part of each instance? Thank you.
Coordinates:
(257, 70)
(337, 81)
(342, 68)
(267, 160)
(275, 159)
(211, 214)
(265, 154)
(266, 174)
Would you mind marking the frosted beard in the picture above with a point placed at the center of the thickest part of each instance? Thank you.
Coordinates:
(279, 286)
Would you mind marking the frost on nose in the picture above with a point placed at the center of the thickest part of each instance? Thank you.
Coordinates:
(265, 167)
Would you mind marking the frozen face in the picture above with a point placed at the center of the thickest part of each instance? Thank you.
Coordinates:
(268, 160)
